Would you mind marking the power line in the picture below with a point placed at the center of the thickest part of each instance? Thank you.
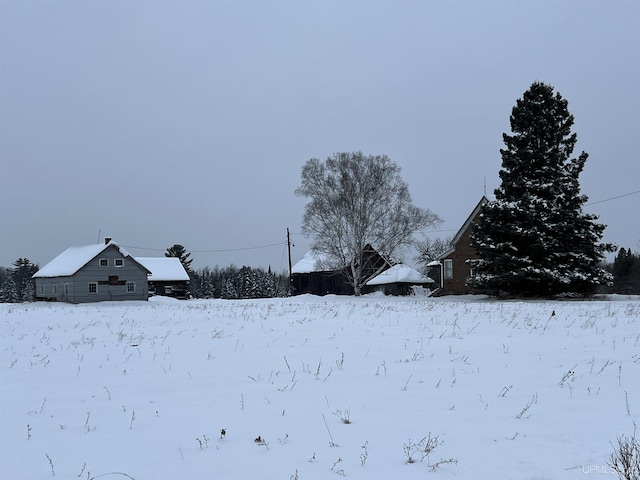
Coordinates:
(211, 251)
(423, 231)
(258, 247)
(455, 229)
(614, 198)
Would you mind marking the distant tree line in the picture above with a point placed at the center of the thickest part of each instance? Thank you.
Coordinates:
(230, 282)
(626, 272)
(237, 283)
(16, 284)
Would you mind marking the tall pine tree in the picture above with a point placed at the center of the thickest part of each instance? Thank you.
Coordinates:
(534, 239)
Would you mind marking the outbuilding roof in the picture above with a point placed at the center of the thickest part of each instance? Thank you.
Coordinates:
(164, 269)
(400, 273)
(310, 262)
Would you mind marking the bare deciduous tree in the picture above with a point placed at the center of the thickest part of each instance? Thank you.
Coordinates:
(358, 200)
(430, 249)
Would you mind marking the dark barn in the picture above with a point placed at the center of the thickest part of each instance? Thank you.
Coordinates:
(308, 276)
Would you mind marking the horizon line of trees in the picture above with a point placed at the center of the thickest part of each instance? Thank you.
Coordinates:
(16, 284)
(626, 272)
(232, 282)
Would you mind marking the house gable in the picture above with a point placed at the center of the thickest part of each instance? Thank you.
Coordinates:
(454, 263)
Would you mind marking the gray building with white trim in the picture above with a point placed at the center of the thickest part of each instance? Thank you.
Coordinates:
(92, 273)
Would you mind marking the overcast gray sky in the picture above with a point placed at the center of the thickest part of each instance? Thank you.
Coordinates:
(163, 122)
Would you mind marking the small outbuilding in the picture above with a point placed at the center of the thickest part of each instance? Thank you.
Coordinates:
(400, 279)
(310, 275)
(92, 273)
(168, 276)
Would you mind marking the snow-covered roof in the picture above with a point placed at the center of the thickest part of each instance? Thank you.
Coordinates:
(400, 273)
(74, 258)
(309, 263)
(164, 268)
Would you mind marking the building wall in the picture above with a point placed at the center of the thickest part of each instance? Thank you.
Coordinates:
(178, 289)
(56, 288)
(320, 283)
(396, 289)
(461, 268)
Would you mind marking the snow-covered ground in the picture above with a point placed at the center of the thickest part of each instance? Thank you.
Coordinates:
(517, 390)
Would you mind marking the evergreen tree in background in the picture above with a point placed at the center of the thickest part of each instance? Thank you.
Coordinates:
(4, 273)
(237, 283)
(534, 239)
(269, 283)
(228, 289)
(9, 291)
(202, 283)
(22, 272)
(28, 292)
(626, 272)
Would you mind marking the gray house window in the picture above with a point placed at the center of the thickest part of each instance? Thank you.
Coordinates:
(42, 289)
(93, 287)
(448, 269)
(66, 289)
(104, 262)
(55, 289)
(119, 262)
(131, 287)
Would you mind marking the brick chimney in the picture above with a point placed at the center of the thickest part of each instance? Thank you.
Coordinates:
(107, 240)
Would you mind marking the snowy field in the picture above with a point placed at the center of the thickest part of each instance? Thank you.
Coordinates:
(331, 387)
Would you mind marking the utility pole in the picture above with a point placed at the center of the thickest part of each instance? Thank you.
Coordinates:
(289, 249)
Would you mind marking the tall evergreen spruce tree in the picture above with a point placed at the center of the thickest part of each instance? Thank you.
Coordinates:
(534, 239)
